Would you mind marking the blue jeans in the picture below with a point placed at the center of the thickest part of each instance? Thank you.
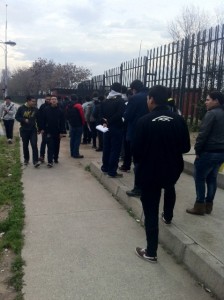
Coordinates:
(206, 169)
(75, 140)
(112, 142)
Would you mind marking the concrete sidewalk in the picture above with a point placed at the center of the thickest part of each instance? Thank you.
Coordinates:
(196, 241)
(79, 241)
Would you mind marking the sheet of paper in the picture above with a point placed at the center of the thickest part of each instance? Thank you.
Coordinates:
(101, 128)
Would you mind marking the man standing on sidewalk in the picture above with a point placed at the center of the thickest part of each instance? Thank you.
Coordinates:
(27, 115)
(161, 138)
(7, 114)
(135, 109)
(209, 150)
(112, 111)
(53, 128)
(40, 116)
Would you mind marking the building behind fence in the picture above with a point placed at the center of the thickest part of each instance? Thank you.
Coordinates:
(190, 67)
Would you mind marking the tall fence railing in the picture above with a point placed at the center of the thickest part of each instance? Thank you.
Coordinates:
(191, 67)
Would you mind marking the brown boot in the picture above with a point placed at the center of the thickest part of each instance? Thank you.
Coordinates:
(198, 209)
(208, 207)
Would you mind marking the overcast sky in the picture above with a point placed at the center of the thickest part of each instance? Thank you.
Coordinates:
(97, 34)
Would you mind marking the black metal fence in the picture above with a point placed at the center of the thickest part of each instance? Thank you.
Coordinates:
(191, 67)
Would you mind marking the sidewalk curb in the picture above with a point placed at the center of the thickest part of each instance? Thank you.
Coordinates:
(202, 264)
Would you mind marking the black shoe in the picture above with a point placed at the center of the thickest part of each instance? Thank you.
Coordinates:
(124, 169)
(117, 175)
(41, 159)
(78, 156)
(164, 220)
(26, 162)
(99, 149)
(56, 161)
(36, 164)
(134, 193)
(142, 253)
(50, 165)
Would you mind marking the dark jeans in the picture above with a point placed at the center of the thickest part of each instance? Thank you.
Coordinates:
(112, 142)
(86, 134)
(9, 128)
(75, 140)
(43, 146)
(53, 146)
(29, 136)
(206, 169)
(93, 132)
(100, 139)
(127, 154)
(150, 197)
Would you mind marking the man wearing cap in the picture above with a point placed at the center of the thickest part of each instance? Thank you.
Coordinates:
(209, 150)
(7, 114)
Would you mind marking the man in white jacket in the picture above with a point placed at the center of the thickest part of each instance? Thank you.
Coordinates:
(7, 114)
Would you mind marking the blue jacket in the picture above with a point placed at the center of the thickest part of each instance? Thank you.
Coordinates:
(135, 109)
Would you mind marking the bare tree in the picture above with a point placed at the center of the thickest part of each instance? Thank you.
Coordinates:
(219, 12)
(44, 75)
(190, 21)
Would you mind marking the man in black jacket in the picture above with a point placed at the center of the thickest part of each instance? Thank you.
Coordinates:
(161, 138)
(209, 150)
(53, 128)
(135, 109)
(40, 116)
(112, 111)
(27, 115)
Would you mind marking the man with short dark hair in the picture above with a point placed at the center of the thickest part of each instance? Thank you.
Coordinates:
(76, 121)
(161, 138)
(27, 115)
(209, 150)
(53, 129)
(112, 110)
(40, 116)
(135, 109)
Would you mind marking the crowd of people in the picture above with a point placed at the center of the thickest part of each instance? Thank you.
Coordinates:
(140, 125)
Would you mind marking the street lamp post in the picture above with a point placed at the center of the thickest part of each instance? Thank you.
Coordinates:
(6, 43)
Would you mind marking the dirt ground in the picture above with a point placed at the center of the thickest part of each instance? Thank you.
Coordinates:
(6, 259)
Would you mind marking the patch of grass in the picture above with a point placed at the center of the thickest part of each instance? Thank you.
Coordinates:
(11, 195)
(87, 168)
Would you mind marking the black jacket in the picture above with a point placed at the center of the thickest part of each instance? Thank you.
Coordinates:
(53, 121)
(112, 109)
(25, 112)
(161, 138)
(135, 109)
(211, 132)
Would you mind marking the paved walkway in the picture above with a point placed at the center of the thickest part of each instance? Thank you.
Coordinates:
(79, 241)
(196, 241)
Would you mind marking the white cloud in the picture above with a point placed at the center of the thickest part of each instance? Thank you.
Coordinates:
(92, 33)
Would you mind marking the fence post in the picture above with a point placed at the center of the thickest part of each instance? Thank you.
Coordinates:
(145, 70)
(184, 73)
(121, 73)
(104, 81)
